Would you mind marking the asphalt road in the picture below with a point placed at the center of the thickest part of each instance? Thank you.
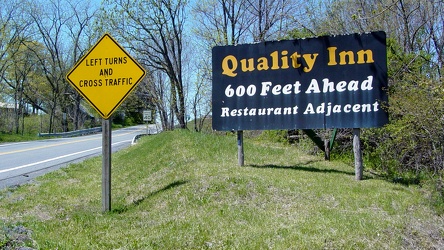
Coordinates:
(22, 162)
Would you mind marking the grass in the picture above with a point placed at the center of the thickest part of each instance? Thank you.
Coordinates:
(9, 137)
(184, 190)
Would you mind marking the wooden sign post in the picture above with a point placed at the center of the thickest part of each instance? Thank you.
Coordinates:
(240, 147)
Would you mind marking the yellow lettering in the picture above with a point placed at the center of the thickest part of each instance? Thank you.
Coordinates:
(262, 63)
(274, 60)
(343, 55)
(294, 59)
(284, 59)
(310, 60)
(247, 66)
(362, 54)
(332, 56)
(229, 66)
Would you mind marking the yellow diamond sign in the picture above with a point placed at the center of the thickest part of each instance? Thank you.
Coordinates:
(106, 75)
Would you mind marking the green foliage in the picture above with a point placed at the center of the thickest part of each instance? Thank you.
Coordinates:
(402, 64)
(277, 136)
(410, 147)
(123, 120)
(33, 125)
(412, 142)
(299, 33)
(435, 187)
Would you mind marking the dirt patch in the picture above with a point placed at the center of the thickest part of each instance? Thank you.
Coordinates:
(16, 238)
(424, 234)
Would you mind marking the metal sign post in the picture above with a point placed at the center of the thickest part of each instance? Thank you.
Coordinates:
(106, 165)
(147, 118)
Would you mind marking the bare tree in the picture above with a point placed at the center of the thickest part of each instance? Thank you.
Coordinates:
(201, 101)
(231, 22)
(155, 29)
(159, 96)
(432, 33)
(82, 33)
(222, 22)
(271, 19)
(50, 20)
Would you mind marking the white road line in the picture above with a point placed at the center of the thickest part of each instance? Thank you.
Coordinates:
(53, 159)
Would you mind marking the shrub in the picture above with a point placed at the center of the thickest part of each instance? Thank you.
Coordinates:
(412, 142)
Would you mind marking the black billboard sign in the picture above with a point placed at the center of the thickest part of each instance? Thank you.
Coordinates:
(323, 82)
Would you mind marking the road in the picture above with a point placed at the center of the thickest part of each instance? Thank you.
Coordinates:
(23, 161)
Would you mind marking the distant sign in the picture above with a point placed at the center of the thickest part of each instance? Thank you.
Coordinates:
(324, 82)
(106, 75)
(147, 115)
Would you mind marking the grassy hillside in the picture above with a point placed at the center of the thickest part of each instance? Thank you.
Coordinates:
(184, 190)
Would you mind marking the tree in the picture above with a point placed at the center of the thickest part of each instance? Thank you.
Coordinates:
(157, 93)
(231, 22)
(411, 145)
(272, 19)
(201, 101)
(12, 28)
(415, 25)
(20, 74)
(222, 22)
(49, 21)
(155, 29)
(60, 26)
(12, 34)
(82, 34)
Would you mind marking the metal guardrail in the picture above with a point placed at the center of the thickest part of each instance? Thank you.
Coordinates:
(153, 131)
(72, 133)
